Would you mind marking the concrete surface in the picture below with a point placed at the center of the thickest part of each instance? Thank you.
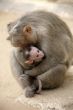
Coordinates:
(11, 97)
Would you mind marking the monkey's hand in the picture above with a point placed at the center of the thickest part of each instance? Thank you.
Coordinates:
(39, 69)
(54, 77)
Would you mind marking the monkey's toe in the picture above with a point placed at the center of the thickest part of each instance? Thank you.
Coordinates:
(29, 92)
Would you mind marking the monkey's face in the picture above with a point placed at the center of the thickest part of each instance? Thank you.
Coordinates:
(20, 35)
(33, 55)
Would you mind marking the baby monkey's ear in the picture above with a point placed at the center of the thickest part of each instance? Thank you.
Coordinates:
(27, 29)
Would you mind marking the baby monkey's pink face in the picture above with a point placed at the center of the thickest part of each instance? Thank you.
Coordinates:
(34, 55)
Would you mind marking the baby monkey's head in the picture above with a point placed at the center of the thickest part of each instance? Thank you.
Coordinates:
(33, 55)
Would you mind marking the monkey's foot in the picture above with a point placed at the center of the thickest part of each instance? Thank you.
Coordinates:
(30, 91)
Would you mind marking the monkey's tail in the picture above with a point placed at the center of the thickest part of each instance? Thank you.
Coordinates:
(40, 86)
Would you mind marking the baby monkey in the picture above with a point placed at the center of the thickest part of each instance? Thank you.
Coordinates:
(33, 55)
(28, 58)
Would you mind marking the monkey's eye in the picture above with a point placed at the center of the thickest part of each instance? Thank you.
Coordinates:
(38, 51)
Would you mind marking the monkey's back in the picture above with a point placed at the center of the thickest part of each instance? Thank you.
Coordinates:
(55, 31)
(48, 20)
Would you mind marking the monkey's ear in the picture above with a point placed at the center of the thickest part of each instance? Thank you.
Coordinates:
(9, 26)
(27, 29)
(8, 38)
(29, 62)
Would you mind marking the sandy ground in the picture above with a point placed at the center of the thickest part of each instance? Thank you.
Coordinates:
(9, 89)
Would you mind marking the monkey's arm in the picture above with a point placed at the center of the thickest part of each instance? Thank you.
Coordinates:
(46, 65)
(54, 57)
(54, 77)
(18, 71)
(41, 68)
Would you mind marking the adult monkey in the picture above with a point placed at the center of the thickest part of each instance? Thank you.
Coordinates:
(50, 34)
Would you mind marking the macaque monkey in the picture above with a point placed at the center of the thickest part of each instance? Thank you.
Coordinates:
(50, 34)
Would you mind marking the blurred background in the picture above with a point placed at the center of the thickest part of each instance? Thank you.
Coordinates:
(61, 7)
(9, 11)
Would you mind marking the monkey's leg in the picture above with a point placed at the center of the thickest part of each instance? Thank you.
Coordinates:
(24, 80)
(31, 90)
(53, 77)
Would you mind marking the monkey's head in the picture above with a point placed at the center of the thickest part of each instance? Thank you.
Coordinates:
(21, 35)
(33, 55)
